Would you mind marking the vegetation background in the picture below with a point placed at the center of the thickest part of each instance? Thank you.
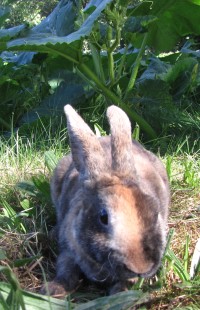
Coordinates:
(140, 55)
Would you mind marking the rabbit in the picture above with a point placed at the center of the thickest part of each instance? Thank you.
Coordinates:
(111, 197)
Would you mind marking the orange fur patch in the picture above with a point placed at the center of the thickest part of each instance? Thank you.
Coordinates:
(127, 229)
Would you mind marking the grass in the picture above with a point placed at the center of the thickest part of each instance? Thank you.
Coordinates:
(28, 249)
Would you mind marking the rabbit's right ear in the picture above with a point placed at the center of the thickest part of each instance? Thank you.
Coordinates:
(87, 152)
(121, 141)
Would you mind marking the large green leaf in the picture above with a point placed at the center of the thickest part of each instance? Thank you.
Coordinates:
(70, 90)
(21, 58)
(67, 46)
(156, 69)
(179, 77)
(189, 48)
(61, 21)
(138, 23)
(53, 42)
(175, 19)
(32, 301)
(154, 92)
(11, 32)
(182, 76)
(155, 102)
(119, 301)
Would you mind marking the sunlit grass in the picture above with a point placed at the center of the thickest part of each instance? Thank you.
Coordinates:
(27, 245)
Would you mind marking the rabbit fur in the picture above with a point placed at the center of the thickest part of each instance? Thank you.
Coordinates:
(111, 197)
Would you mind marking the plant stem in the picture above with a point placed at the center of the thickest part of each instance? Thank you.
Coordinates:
(110, 54)
(117, 101)
(122, 62)
(186, 253)
(65, 55)
(111, 67)
(136, 67)
(97, 62)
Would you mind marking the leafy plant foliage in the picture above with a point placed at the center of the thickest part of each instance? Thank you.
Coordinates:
(109, 49)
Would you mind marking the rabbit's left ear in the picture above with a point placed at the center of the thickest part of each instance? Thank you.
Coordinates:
(87, 152)
(121, 141)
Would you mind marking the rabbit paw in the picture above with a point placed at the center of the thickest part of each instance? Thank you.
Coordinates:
(54, 289)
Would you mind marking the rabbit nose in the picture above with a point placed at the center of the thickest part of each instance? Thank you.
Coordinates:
(151, 272)
(140, 268)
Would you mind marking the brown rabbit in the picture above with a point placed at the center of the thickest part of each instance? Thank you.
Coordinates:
(111, 198)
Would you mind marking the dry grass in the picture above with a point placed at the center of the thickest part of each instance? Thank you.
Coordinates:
(184, 219)
(35, 242)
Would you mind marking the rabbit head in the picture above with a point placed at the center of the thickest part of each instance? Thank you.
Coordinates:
(111, 197)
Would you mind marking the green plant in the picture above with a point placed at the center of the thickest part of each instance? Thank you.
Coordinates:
(125, 76)
(169, 161)
(177, 265)
(21, 88)
(190, 176)
(13, 220)
(180, 267)
(14, 298)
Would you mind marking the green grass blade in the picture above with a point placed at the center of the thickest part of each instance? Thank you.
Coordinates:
(35, 301)
(14, 297)
(118, 301)
(3, 303)
(169, 238)
(186, 253)
(177, 266)
(50, 160)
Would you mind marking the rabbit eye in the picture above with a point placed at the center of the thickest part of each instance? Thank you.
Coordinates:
(103, 216)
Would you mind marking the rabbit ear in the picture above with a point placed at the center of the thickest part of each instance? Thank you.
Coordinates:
(87, 152)
(121, 140)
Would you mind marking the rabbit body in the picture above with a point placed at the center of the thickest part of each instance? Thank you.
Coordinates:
(111, 198)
